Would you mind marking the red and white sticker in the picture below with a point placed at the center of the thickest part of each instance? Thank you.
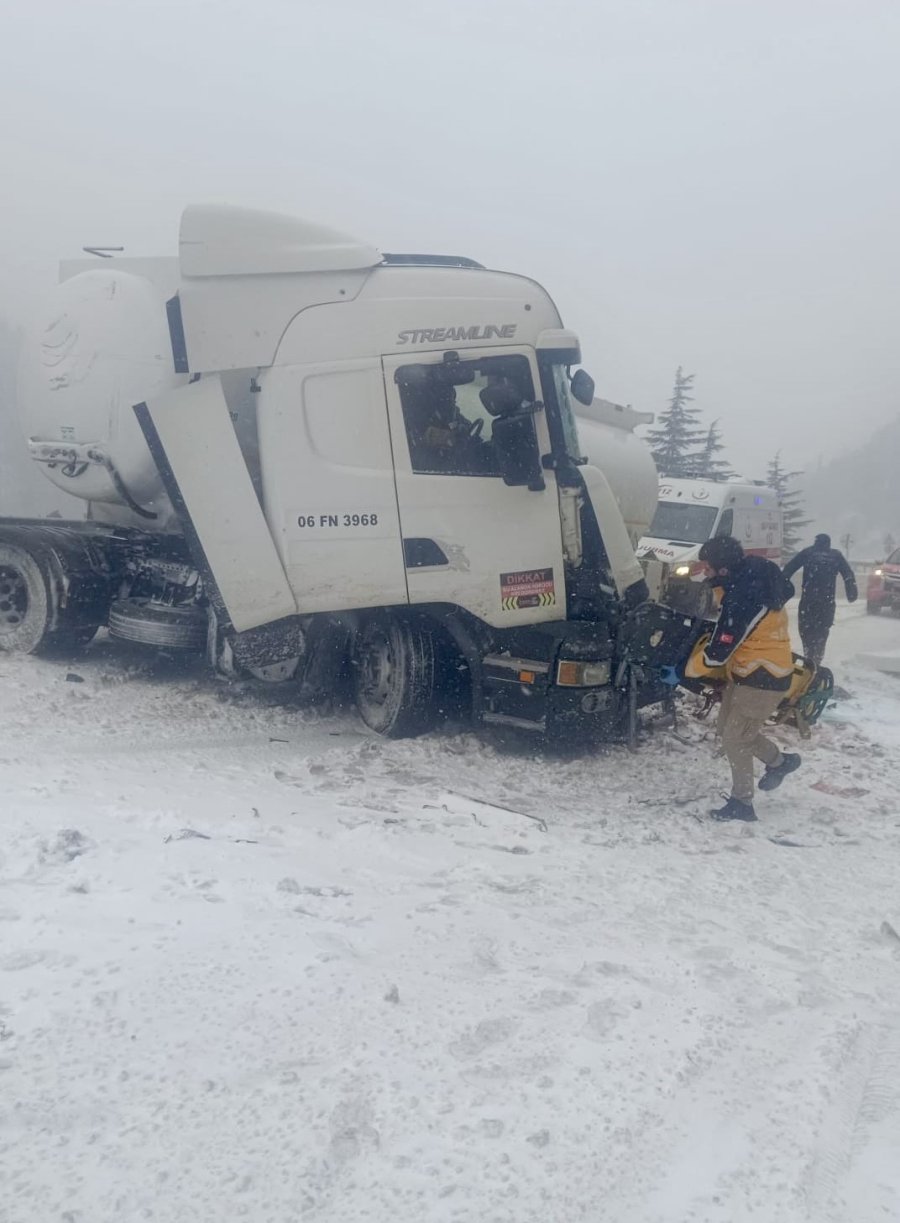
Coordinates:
(527, 588)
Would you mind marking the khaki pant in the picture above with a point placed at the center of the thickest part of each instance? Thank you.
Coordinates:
(745, 710)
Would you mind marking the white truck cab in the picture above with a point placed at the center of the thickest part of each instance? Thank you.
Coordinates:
(688, 513)
(309, 458)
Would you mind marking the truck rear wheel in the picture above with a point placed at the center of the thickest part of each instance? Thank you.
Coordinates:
(29, 623)
(393, 676)
(24, 605)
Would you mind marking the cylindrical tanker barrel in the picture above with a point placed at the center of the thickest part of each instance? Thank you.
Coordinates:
(104, 346)
(606, 438)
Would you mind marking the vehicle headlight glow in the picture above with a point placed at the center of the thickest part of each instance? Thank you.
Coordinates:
(878, 572)
(682, 571)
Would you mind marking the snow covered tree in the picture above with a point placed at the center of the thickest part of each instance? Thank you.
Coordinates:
(790, 499)
(675, 442)
(705, 464)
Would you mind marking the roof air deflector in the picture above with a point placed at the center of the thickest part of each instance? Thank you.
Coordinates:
(220, 240)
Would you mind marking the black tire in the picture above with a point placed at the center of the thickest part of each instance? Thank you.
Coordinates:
(393, 676)
(26, 613)
(873, 609)
(29, 621)
(158, 625)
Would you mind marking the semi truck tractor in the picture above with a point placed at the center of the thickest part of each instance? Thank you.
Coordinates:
(315, 461)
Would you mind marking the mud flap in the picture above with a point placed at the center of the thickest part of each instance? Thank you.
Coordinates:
(191, 437)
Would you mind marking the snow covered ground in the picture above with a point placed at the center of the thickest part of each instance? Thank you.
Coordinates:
(255, 964)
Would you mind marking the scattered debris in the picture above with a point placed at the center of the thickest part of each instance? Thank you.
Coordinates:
(827, 787)
(539, 820)
(189, 834)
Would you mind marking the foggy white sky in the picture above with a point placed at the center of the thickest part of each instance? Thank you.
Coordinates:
(713, 183)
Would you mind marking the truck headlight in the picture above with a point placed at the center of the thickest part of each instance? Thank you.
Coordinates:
(877, 572)
(570, 674)
(682, 571)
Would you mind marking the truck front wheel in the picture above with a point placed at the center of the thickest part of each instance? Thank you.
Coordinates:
(393, 676)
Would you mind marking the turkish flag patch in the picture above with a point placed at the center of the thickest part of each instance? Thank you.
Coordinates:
(726, 639)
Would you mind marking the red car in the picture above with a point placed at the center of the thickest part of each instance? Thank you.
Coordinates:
(883, 589)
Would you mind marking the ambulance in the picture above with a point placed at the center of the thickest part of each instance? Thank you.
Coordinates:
(688, 513)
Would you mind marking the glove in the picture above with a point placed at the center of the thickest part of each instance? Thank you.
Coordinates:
(670, 676)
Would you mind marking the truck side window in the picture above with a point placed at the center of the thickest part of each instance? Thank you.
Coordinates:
(726, 523)
(447, 411)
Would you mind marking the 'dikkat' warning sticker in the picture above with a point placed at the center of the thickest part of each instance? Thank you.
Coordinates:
(528, 588)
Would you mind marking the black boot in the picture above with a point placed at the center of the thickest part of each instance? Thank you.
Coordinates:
(734, 809)
(774, 776)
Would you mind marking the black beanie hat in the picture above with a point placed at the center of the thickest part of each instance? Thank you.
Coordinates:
(722, 552)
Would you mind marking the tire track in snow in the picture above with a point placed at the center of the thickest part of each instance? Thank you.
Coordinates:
(860, 1137)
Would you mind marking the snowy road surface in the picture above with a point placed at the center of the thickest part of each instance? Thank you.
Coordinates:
(257, 965)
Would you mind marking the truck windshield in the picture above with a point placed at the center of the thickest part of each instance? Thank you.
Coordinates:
(560, 414)
(678, 522)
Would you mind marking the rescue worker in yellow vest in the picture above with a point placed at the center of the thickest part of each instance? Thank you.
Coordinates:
(752, 643)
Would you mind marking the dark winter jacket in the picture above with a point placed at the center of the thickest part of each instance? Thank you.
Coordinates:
(751, 636)
(821, 566)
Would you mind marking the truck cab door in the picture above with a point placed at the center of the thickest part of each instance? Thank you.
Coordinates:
(328, 484)
(469, 538)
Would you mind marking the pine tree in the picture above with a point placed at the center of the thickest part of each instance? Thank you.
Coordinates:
(790, 499)
(674, 442)
(704, 464)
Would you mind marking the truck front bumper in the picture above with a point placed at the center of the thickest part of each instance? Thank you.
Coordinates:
(588, 686)
(557, 697)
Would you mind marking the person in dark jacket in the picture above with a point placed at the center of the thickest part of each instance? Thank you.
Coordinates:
(821, 565)
(752, 642)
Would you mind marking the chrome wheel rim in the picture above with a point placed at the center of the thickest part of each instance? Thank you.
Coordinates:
(376, 680)
(13, 599)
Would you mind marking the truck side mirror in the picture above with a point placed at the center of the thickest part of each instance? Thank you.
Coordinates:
(582, 386)
(516, 447)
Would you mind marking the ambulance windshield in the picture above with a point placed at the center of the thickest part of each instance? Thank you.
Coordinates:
(679, 522)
